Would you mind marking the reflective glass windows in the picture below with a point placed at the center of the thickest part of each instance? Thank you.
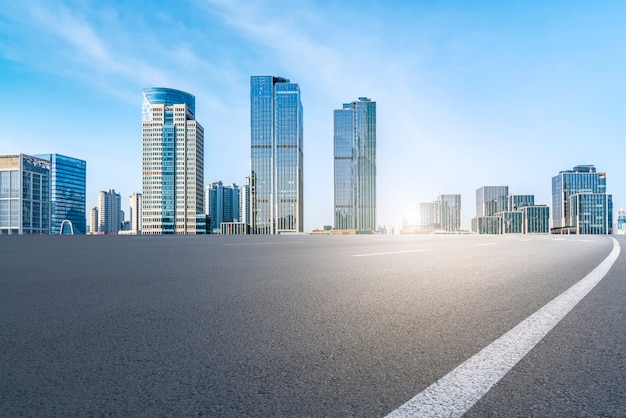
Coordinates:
(354, 144)
(276, 138)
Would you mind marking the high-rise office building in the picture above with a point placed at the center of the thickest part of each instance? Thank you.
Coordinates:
(135, 213)
(24, 195)
(580, 204)
(244, 203)
(355, 166)
(109, 212)
(93, 220)
(68, 202)
(173, 164)
(222, 203)
(276, 142)
(450, 208)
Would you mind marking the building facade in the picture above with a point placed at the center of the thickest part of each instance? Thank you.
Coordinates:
(491, 200)
(354, 144)
(450, 209)
(276, 154)
(580, 204)
(244, 203)
(109, 212)
(442, 214)
(222, 203)
(536, 219)
(135, 213)
(430, 215)
(518, 201)
(68, 195)
(24, 195)
(93, 220)
(173, 164)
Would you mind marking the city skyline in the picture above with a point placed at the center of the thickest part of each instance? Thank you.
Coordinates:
(477, 93)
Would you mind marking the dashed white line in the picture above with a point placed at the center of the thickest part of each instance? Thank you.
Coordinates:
(264, 243)
(387, 253)
(455, 393)
(488, 243)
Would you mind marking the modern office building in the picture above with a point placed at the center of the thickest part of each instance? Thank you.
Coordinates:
(24, 195)
(135, 213)
(512, 221)
(487, 224)
(110, 216)
(244, 203)
(355, 166)
(518, 201)
(450, 209)
(430, 215)
(276, 166)
(68, 202)
(443, 213)
(536, 219)
(580, 204)
(93, 220)
(222, 203)
(491, 200)
(173, 164)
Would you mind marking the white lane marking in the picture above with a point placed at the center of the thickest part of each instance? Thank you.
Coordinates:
(455, 393)
(489, 243)
(387, 253)
(265, 243)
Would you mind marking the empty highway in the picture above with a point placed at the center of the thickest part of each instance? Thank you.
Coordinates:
(363, 326)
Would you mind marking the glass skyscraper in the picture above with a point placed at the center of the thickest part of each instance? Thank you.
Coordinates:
(355, 166)
(276, 139)
(67, 193)
(580, 203)
(173, 164)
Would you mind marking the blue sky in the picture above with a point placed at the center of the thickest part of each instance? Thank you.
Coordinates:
(469, 93)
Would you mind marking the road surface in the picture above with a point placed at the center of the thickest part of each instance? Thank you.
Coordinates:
(301, 325)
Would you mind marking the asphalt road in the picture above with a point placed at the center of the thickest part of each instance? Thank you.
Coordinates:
(299, 325)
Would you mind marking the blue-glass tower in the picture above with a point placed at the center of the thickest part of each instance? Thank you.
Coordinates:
(67, 193)
(355, 166)
(276, 142)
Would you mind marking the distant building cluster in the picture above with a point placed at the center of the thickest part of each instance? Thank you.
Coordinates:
(501, 212)
(45, 194)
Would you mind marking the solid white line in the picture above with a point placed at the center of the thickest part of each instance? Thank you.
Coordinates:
(455, 393)
(388, 253)
(489, 243)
